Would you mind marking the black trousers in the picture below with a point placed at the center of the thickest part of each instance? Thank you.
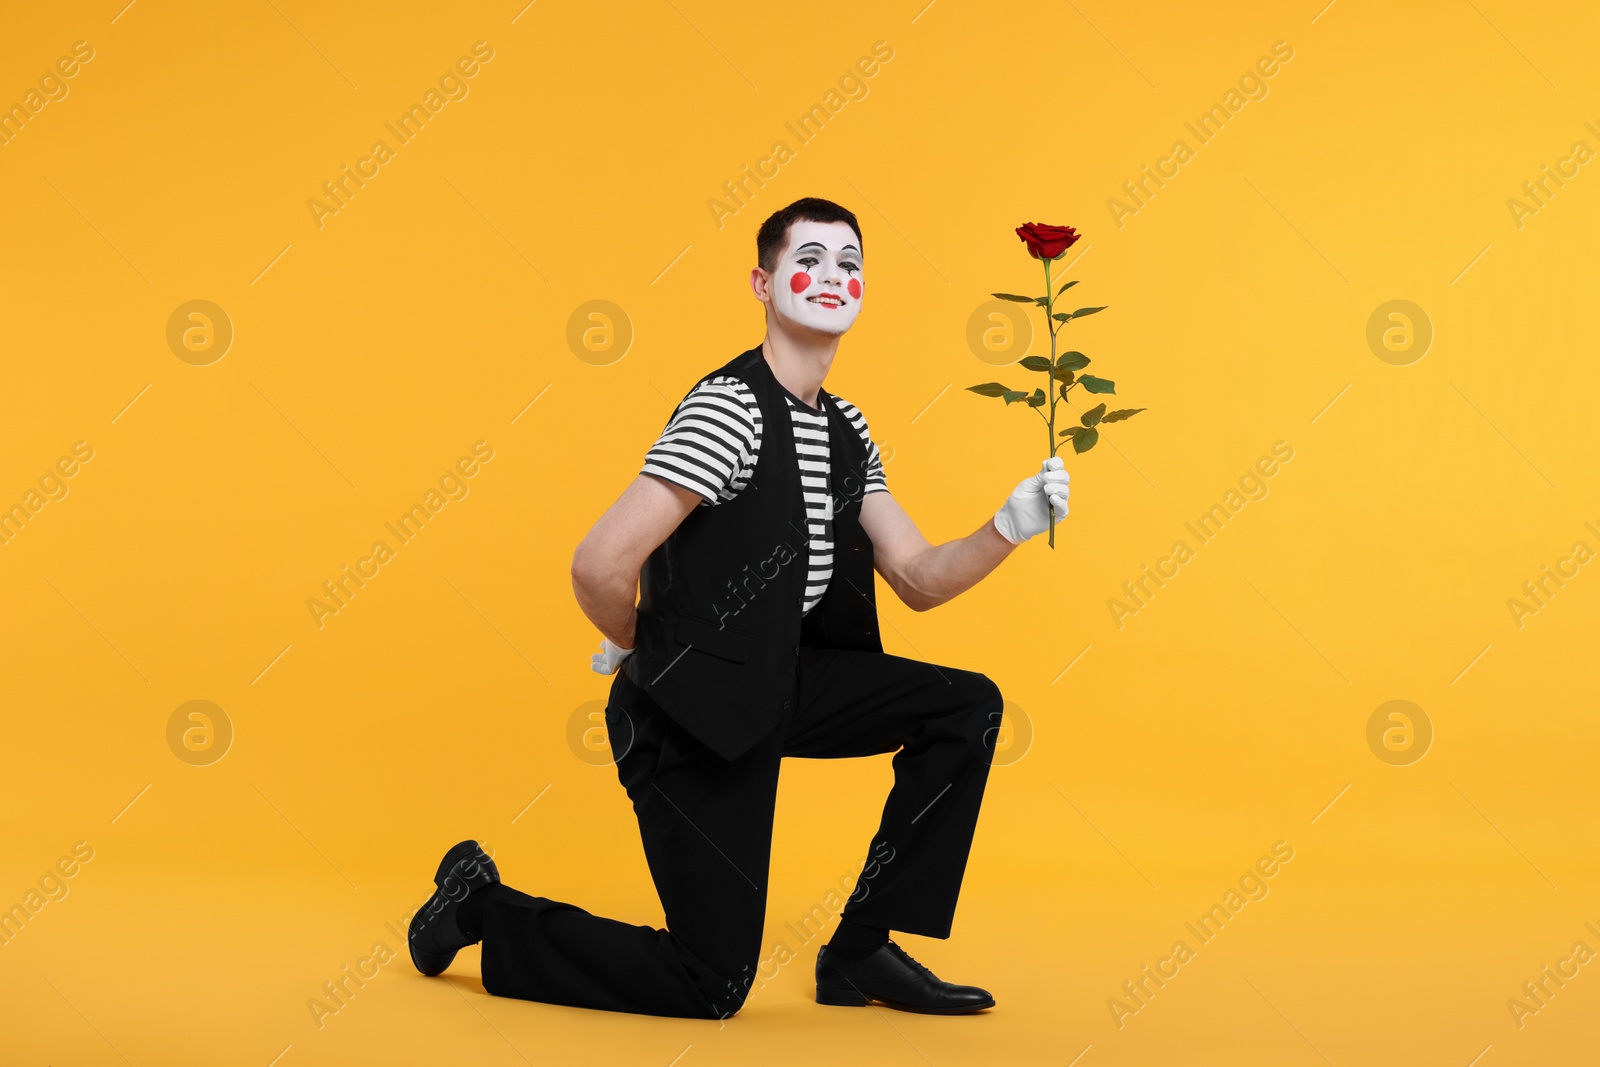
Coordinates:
(706, 825)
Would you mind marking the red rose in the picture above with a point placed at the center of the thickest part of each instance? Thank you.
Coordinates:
(1047, 242)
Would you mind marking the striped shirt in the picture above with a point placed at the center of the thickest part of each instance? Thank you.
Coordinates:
(711, 444)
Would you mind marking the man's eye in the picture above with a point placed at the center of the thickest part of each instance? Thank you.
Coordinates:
(807, 261)
(850, 266)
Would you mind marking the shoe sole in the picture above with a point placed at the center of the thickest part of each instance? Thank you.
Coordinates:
(431, 966)
(850, 998)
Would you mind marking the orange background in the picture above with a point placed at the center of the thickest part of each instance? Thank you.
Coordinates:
(432, 311)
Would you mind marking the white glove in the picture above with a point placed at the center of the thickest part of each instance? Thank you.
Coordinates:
(609, 658)
(1026, 514)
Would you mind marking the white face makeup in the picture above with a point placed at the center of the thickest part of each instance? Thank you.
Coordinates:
(818, 280)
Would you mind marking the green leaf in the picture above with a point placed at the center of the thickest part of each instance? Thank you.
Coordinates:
(988, 389)
(1085, 441)
(1118, 416)
(1062, 374)
(1037, 399)
(1081, 312)
(1073, 431)
(1072, 360)
(1064, 288)
(1014, 298)
(1013, 395)
(1098, 385)
(1042, 301)
(1061, 316)
(1092, 416)
(1064, 387)
(1036, 362)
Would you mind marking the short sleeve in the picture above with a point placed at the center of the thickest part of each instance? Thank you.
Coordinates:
(709, 446)
(876, 481)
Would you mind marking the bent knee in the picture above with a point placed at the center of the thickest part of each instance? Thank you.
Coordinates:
(982, 725)
(986, 692)
(725, 993)
(727, 1001)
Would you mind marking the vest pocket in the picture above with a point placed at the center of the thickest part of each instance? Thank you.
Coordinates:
(707, 637)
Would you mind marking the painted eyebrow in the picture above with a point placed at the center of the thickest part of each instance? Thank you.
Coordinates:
(819, 245)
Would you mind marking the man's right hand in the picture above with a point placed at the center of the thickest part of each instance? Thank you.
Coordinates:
(609, 658)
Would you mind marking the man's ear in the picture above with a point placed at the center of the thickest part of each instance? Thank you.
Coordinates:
(760, 284)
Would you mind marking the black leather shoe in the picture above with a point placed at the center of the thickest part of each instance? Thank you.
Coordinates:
(889, 976)
(435, 936)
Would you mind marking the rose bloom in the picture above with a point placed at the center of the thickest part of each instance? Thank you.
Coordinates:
(1047, 242)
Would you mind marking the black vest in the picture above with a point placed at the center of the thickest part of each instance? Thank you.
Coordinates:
(719, 627)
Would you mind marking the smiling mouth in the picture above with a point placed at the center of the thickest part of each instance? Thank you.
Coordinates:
(827, 300)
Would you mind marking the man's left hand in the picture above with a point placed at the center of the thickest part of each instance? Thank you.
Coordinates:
(1027, 512)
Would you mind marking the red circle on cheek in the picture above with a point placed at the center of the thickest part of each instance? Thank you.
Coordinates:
(800, 282)
(854, 288)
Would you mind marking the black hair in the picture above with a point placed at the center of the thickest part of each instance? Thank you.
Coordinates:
(773, 236)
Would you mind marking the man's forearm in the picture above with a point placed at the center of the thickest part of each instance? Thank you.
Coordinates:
(611, 603)
(947, 570)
